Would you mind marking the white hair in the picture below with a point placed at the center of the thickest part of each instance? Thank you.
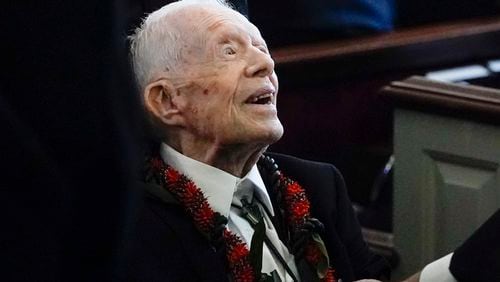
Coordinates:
(154, 47)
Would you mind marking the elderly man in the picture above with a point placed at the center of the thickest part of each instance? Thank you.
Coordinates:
(218, 208)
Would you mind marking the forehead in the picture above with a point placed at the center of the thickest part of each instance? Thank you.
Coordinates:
(213, 21)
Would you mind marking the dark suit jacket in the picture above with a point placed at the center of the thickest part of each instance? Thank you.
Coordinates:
(167, 247)
(478, 258)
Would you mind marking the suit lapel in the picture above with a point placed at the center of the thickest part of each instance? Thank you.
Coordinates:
(278, 220)
(205, 261)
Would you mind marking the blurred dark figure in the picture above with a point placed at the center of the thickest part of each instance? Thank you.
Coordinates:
(411, 12)
(68, 116)
(71, 139)
(477, 259)
(287, 22)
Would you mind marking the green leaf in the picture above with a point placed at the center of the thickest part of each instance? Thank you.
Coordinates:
(324, 262)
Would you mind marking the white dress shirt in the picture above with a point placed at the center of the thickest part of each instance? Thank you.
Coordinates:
(438, 270)
(221, 189)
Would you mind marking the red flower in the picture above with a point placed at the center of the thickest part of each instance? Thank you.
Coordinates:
(237, 250)
(298, 206)
(294, 188)
(237, 253)
(312, 253)
(330, 276)
(171, 175)
(190, 192)
(300, 210)
(204, 217)
(243, 272)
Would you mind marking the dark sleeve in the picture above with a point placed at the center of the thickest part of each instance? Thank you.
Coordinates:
(478, 258)
(364, 263)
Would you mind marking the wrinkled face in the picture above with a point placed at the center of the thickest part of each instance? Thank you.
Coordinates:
(228, 81)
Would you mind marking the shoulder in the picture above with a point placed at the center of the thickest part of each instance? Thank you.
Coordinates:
(292, 160)
(301, 169)
(314, 176)
(322, 182)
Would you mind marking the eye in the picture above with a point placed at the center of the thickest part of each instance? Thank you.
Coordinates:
(263, 49)
(228, 50)
(261, 46)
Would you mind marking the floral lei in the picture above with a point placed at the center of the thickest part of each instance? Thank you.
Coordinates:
(297, 209)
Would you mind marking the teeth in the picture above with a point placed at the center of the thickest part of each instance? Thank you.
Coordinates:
(255, 99)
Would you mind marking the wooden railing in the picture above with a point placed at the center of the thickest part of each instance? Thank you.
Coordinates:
(473, 102)
(406, 49)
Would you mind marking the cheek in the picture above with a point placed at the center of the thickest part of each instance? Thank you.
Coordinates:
(193, 110)
(210, 88)
(274, 80)
(217, 99)
(210, 102)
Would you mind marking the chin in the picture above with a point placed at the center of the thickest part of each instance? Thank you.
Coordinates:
(263, 133)
(273, 134)
(277, 134)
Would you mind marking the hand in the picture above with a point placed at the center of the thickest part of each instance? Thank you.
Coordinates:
(414, 278)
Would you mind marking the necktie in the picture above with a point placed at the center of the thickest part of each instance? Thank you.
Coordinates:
(253, 214)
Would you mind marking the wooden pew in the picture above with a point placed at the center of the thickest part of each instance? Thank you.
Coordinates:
(447, 169)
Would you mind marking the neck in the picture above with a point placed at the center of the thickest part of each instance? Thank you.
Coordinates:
(236, 159)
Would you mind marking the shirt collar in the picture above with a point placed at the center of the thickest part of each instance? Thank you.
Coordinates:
(260, 188)
(217, 185)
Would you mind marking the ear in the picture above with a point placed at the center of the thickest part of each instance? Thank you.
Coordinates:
(159, 102)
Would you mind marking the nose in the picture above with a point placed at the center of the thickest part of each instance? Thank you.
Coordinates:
(259, 64)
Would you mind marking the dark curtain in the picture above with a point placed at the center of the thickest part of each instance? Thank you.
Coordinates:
(70, 127)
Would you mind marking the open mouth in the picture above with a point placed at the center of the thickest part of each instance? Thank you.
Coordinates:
(262, 99)
(263, 96)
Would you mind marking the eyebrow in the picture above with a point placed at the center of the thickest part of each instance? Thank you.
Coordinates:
(259, 42)
(232, 35)
(237, 34)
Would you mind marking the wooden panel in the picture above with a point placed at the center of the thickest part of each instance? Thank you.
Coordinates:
(466, 194)
(446, 183)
